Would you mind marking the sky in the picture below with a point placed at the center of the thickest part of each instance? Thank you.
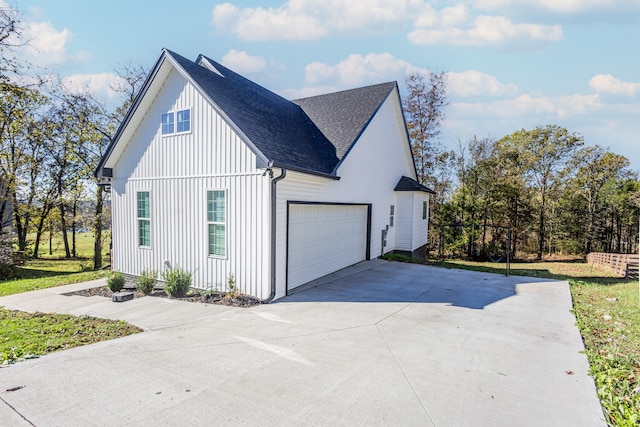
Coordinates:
(511, 64)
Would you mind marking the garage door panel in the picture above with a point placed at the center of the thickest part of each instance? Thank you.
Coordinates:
(323, 239)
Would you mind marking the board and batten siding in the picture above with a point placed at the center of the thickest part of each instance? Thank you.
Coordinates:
(178, 171)
(368, 175)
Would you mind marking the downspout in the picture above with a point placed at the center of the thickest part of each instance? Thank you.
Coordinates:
(274, 201)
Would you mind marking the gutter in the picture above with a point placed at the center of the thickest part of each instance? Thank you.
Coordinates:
(274, 181)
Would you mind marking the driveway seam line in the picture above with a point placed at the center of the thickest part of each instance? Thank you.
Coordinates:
(404, 374)
(16, 411)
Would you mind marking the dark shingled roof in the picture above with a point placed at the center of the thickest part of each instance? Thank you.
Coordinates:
(343, 116)
(276, 126)
(312, 134)
(409, 184)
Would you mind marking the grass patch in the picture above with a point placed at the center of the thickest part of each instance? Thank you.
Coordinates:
(607, 311)
(26, 335)
(46, 273)
(609, 320)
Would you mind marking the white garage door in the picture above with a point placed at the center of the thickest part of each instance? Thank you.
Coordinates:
(323, 239)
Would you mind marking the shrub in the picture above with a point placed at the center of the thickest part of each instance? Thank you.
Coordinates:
(232, 289)
(146, 281)
(176, 282)
(116, 281)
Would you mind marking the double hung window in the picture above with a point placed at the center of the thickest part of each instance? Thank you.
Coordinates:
(216, 222)
(144, 219)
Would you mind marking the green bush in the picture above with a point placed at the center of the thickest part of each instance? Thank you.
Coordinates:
(176, 282)
(116, 281)
(146, 281)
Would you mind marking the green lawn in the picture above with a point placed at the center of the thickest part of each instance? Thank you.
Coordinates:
(26, 335)
(54, 270)
(607, 310)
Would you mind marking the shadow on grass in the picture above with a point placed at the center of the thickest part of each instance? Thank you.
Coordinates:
(541, 273)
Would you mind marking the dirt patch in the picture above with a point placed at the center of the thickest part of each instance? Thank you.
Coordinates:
(193, 296)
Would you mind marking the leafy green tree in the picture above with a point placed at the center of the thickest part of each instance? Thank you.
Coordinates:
(597, 167)
(543, 154)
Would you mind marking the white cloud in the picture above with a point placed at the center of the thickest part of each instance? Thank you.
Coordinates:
(475, 83)
(564, 7)
(458, 26)
(45, 45)
(313, 19)
(96, 84)
(526, 105)
(358, 70)
(606, 83)
(243, 63)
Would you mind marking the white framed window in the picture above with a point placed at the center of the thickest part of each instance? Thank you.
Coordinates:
(425, 209)
(167, 124)
(183, 121)
(216, 223)
(144, 219)
(178, 122)
(392, 214)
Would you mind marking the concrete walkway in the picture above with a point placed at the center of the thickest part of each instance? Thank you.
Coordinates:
(379, 344)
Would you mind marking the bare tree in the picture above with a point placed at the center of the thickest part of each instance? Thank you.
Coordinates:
(424, 110)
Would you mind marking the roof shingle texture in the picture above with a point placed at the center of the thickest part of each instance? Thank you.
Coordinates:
(312, 134)
(410, 184)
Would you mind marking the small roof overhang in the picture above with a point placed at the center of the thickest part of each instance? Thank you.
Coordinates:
(410, 184)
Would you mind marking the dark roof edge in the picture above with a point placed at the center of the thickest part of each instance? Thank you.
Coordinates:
(409, 184)
(132, 108)
(366, 125)
(307, 171)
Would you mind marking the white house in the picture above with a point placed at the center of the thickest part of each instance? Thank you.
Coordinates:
(218, 175)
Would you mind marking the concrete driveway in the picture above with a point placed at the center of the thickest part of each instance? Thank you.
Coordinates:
(378, 344)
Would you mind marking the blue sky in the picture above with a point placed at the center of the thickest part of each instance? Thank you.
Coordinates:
(513, 64)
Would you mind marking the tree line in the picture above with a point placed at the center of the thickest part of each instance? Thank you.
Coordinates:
(51, 141)
(558, 195)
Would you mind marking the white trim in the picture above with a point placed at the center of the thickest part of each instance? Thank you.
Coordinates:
(157, 178)
(226, 223)
(175, 132)
(138, 218)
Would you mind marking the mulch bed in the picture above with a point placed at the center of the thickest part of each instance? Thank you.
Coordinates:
(193, 296)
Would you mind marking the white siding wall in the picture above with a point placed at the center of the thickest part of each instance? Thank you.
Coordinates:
(369, 174)
(178, 171)
(420, 226)
(405, 220)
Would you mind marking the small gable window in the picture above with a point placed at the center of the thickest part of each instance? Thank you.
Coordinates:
(167, 124)
(183, 121)
(176, 122)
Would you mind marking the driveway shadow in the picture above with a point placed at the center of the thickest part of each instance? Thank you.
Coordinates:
(393, 282)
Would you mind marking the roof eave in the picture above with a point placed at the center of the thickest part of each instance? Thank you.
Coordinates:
(305, 171)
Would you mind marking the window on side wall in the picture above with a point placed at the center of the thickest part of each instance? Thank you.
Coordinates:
(144, 219)
(391, 215)
(176, 122)
(216, 222)
(425, 209)
(183, 121)
(167, 124)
